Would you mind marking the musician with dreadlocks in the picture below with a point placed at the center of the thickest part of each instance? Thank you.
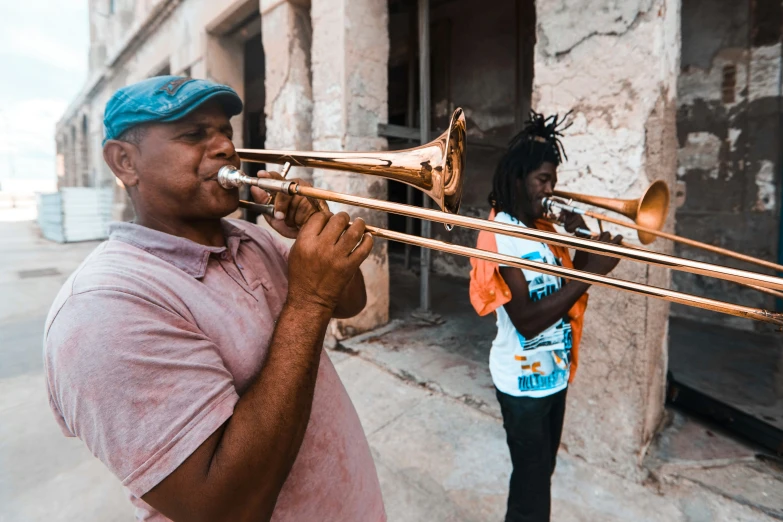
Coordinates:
(539, 317)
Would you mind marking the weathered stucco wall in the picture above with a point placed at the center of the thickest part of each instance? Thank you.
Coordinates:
(615, 65)
(349, 71)
(287, 35)
(729, 144)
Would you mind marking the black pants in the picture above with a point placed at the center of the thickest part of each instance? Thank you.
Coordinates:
(533, 428)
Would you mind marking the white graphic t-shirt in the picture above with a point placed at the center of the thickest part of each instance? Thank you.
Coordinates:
(530, 367)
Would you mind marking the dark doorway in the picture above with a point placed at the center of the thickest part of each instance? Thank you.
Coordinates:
(403, 107)
(481, 59)
(254, 131)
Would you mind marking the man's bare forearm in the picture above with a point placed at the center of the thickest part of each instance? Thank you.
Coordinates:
(262, 439)
(529, 317)
(540, 315)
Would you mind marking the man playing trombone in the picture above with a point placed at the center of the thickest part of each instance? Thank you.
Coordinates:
(186, 351)
(539, 316)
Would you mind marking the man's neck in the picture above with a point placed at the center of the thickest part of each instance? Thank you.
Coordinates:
(208, 232)
(527, 220)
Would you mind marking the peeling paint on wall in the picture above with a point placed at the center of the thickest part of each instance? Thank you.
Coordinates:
(701, 151)
(729, 132)
(733, 135)
(764, 72)
(696, 83)
(765, 182)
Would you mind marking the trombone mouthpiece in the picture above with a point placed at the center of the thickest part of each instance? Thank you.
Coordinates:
(229, 177)
(553, 205)
(547, 204)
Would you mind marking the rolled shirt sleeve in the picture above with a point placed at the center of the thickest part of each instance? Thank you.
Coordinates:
(139, 384)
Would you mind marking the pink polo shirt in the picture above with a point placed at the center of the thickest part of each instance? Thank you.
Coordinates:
(152, 341)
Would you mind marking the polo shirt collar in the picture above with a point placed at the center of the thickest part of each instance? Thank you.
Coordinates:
(189, 256)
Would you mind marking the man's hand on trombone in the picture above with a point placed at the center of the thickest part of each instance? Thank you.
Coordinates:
(594, 263)
(321, 265)
(571, 221)
(291, 212)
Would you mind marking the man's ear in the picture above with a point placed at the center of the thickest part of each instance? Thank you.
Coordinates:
(120, 157)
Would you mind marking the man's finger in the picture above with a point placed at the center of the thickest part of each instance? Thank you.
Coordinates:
(352, 235)
(269, 174)
(363, 249)
(314, 225)
(336, 226)
(277, 225)
(288, 205)
(282, 202)
(303, 212)
(259, 195)
(572, 222)
(293, 208)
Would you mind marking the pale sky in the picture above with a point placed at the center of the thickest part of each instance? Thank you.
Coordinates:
(44, 47)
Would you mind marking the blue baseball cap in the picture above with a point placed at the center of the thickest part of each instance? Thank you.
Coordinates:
(163, 99)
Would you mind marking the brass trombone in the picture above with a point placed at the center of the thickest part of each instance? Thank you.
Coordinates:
(436, 168)
(648, 214)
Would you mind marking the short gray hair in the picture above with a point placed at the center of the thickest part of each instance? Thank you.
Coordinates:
(134, 135)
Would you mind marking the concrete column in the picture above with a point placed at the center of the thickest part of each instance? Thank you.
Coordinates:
(83, 152)
(60, 159)
(287, 35)
(71, 169)
(224, 63)
(349, 66)
(616, 65)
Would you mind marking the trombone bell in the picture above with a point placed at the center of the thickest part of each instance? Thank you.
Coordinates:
(435, 168)
(652, 210)
(649, 211)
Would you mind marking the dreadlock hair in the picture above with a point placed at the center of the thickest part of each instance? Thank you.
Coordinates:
(537, 143)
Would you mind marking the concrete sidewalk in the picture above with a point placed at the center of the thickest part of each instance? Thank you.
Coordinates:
(453, 439)
(442, 460)
(43, 475)
(440, 453)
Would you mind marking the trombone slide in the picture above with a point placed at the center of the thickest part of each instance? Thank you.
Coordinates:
(559, 271)
(609, 249)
